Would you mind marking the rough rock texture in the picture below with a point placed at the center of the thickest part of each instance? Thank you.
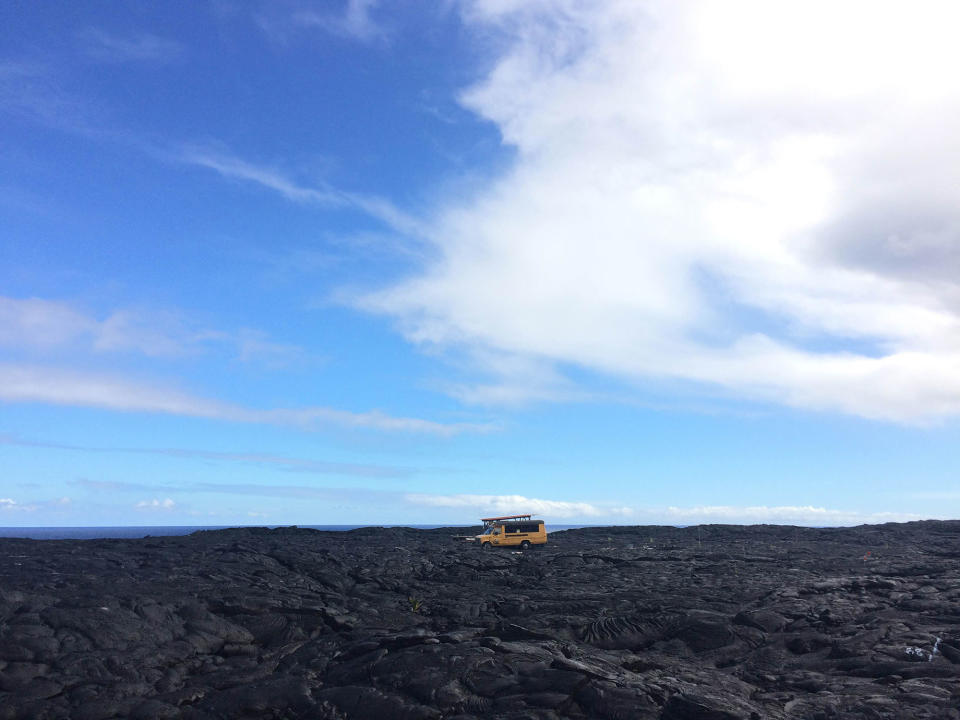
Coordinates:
(718, 623)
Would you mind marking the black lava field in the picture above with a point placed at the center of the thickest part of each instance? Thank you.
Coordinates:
(719, 623)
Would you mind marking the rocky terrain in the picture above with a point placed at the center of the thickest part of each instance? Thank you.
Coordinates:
(718, 622)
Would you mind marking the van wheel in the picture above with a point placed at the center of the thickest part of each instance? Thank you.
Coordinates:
(525, 545)
(484, 546)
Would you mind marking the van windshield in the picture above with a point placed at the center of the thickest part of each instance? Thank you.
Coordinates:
(489, 531)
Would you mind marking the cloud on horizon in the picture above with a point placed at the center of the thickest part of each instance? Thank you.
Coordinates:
(468, 508)
(783, 515)
(156, 504)
(698, 515)
(57, 505)
(11, 505)
(514, 504)
(696, 199)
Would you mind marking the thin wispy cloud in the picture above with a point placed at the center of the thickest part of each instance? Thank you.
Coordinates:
(371, 420)
(320, 194)
(105, 47)
(699, 200)
(124, 486)
(305, 492)
(45, 95)
(354, 21)
(41, 323)
(292, 464)
(32, 91)
(261, 459)
(515, 381)
(254, 346)
(348, 19)
(56, 386)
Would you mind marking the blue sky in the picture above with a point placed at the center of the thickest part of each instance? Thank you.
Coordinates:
(369, 262)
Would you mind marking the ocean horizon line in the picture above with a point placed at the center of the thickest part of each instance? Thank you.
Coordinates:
(113, 532)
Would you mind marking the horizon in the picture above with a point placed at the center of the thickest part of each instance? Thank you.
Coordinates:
(438, 526)
(614, 263)
(119, 532)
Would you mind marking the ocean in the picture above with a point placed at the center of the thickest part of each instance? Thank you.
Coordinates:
(140, 531)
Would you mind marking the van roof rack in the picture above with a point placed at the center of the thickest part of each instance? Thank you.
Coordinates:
(506, 517)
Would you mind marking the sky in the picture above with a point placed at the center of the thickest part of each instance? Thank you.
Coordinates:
(607, 262)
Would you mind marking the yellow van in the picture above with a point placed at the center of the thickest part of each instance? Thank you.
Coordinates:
(512, 531)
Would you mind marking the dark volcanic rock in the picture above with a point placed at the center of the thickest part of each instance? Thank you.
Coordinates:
(715, 623)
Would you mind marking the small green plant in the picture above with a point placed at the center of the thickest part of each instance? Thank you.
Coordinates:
(415, 604)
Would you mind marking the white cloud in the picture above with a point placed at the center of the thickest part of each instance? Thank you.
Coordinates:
(156, 504)
(516, 380)
(158, 335)
(720, 195)
(45, 324)
(516, 504)
(40, 324)
(11, 505)
(371, 420)
(25, 383)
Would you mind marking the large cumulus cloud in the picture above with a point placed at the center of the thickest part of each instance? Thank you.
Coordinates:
(752, 198)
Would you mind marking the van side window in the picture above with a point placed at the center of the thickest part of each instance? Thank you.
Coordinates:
(511, 528)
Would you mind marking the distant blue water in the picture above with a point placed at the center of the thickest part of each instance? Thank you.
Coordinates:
(139, 531)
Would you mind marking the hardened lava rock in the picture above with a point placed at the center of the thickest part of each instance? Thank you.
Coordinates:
(715, 623)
